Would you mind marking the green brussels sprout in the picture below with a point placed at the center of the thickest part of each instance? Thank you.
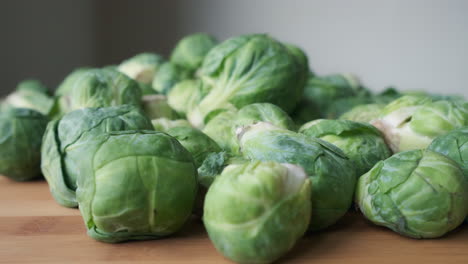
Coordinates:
(332, 174)
(20, 143)
(250, 69)
(343, 105)
(435, 97)
(67, 142)
(185, 95)
(200, 146)
(147, 89)
(323, 90)
(168, 75)
(134, 191)
(32, 85)
(31, 94)
(412, 122)
(68, 83)
(301, 59)
(213, 166)
(156, 106)
(453, 145)
(386, 96)
(255, 212)
(265, 112)
(419, 194)
(222, 128)
(163, 124)
(97, 88)
(453, 98)
(363, 113)
(195, 141)
(141, 67)
(362, 143)
(305, 112)
(190, 51)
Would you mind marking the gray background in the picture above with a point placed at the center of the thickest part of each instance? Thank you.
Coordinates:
(413, 44)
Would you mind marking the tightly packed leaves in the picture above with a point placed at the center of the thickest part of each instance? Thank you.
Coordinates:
(255, 212)
(69, 143)
(420, 194)
(20, 151)
(136, 193)
(332, 174)
(250, 69)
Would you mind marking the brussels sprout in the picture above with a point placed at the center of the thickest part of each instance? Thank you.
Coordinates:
(214, 164)
(141, 67)
(342, 105)
(435, 97)
(32, 85)
(147, 89)
(222, 127)
(419, 194)
(255, 212)
(212, 167)
(300, 57)
(412, 122)
(323, 90)
(96, 88)
(20, 143)
(362, 143)
(265, 112)
(163, 124)
(68, 83)
(168, 75)
(250, 69)
(68, 141)
(185, 95)
(453, 145)
(195, 141)
(192, 49)
(386, 96)
(363, 113)
(156, 106)
(453, 98)
(31, 94)
(332, 174)
(200, 146)
(144, 190)
(304, 112)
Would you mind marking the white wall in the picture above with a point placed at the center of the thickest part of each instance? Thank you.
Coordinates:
(412, 44)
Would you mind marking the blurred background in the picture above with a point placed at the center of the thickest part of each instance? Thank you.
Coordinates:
(411, 44)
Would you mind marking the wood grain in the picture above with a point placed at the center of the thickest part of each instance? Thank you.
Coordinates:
(34, 229)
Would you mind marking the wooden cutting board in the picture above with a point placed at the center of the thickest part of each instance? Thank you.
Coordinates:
(34, 229)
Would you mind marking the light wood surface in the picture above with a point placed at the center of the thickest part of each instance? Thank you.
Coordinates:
(34, 229)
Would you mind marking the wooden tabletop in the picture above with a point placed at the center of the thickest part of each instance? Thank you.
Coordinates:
(34, 229)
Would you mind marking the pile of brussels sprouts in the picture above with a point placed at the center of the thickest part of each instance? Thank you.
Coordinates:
(243, 135)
